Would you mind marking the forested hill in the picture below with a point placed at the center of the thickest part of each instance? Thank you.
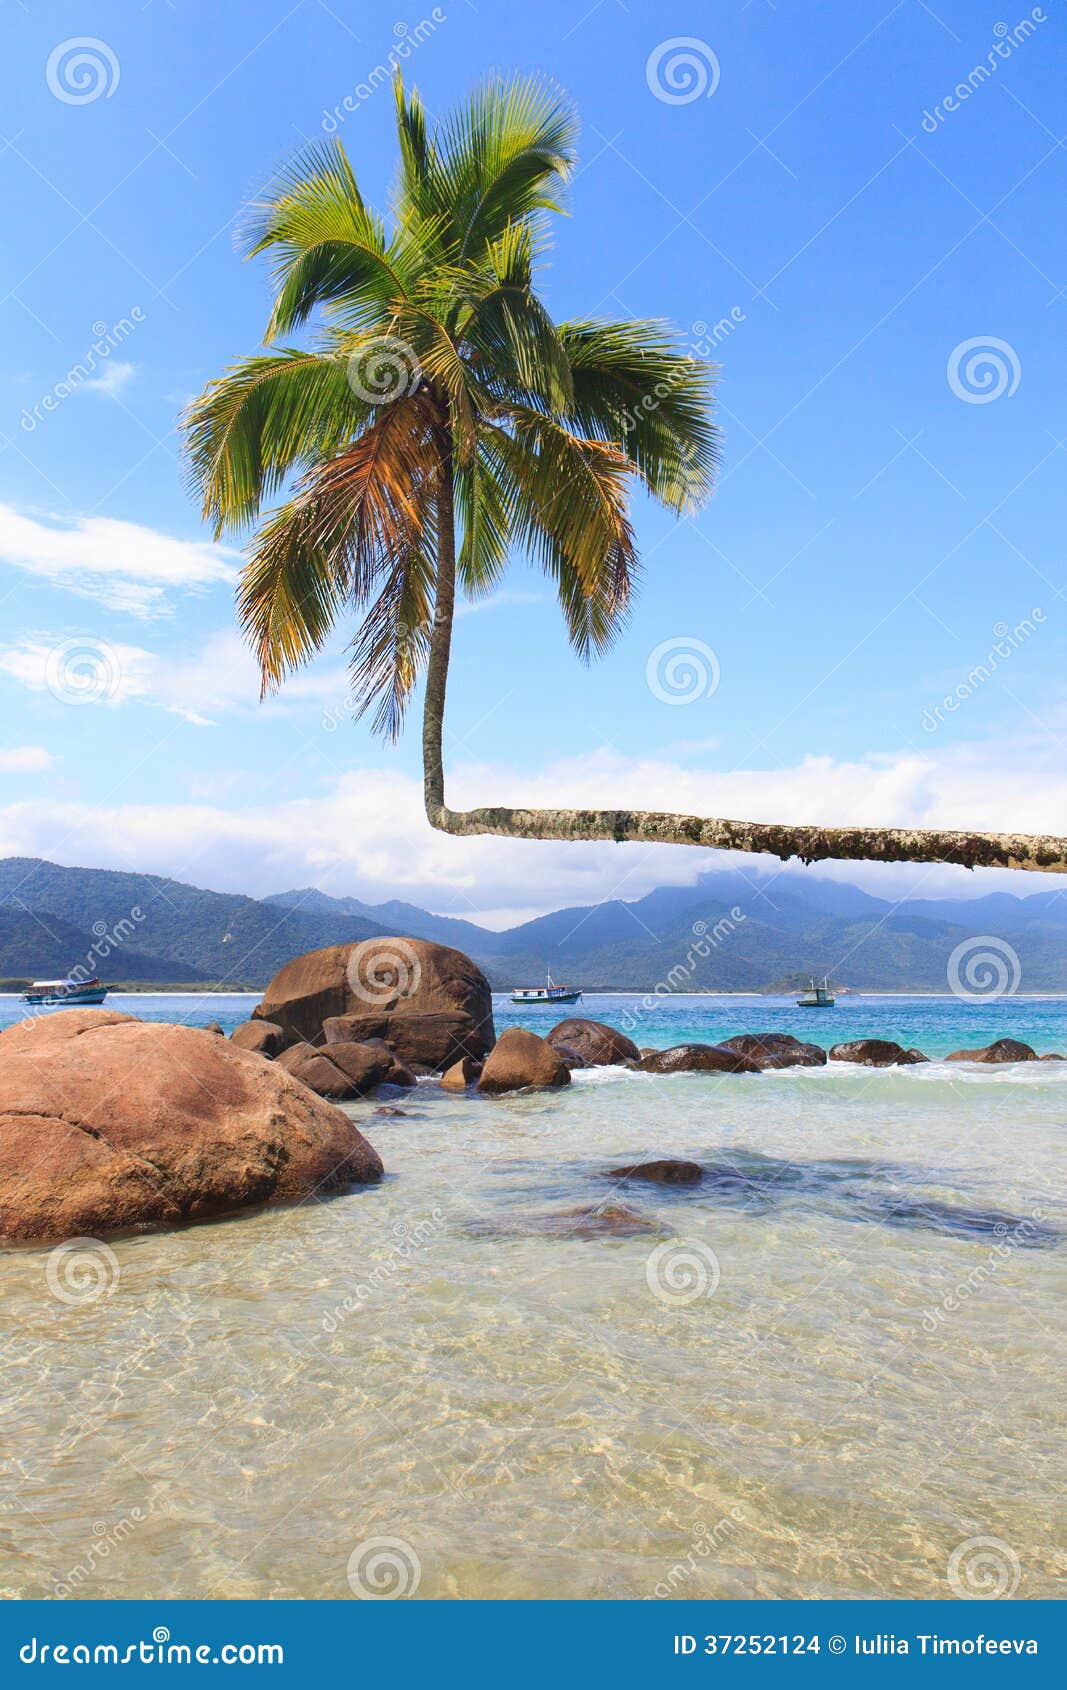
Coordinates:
(728, 932)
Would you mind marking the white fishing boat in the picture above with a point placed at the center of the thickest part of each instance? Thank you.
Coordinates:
(817, 997)
(548, 993)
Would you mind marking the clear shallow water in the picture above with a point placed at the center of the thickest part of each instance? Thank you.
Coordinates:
(875, 1378)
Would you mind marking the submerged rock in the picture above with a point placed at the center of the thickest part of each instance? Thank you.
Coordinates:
(429, 1002)
(697, 1059)
(264, 1037)
(520, 1059)
(600, 1220)
(668, 1170)
(597, 1044)
(776, 1050)
(957, 1221)
(875, 1053)
(1001, 1050)
(109, 1124)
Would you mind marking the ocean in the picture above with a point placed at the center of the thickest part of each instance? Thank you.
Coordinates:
(828, 1370)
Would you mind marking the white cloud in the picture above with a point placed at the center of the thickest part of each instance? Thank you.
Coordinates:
(219, 677)
(111, 380)
(369, 837)
(25, 760)
(122, 565)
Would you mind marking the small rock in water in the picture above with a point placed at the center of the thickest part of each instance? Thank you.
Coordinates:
(697, 1059)
(520, 1059)
(461, 1074)
(1001, 1050)
(776, 1050)
(266, 1038)
(594, 1043)
(875, 1053)
(668, 1170)
(213, 1027)
(338, 1070)
(393, 1114)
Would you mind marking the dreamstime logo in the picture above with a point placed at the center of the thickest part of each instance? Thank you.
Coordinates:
(704, 941)
(984, 967)
(379, 972)
(381, 75)
(82, 70)
(83, 671)
(1005, 42)
(383, 1569)
(1006, 642)
(383, 370)
(682, 70)
(82, 1270)
(984, 1568)
(682, 1271)
(682, 670)
(983, 369)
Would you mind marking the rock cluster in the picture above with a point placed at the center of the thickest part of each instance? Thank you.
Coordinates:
(431, 1004)
(349, 1018)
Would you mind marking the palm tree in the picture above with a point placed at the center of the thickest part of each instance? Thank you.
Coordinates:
(437, 394)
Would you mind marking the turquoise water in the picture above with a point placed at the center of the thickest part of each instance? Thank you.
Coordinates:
(825, 1371)
(935, 1025)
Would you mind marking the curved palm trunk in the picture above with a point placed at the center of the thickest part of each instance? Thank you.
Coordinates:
(811, 844)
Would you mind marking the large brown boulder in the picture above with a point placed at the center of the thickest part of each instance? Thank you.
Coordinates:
(520, 1059)
(875, 1053)
(264, 1037)
(340, 1070)
(1001, 1050)
(431, 1003)
(597, 1044)
(776, 1050)
(109, 1124)
(697, 1059)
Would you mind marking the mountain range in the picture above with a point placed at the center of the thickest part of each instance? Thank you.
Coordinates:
(729, 931)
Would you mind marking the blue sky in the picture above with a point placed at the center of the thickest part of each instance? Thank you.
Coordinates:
(886, 269)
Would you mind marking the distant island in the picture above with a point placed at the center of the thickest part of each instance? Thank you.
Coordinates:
(729, 932)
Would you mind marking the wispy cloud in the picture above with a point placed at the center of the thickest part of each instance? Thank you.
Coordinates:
(111, 380)
(216, 678)
(25, 760)
(368, 833)
(122, 565)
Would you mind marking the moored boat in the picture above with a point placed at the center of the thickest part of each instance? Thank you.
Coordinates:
(548, 993)
(817, 997)
(68, 992)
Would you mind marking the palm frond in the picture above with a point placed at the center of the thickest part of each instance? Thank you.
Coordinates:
(634, 386)
(353, 515)
(326, 243)
(263, 418)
